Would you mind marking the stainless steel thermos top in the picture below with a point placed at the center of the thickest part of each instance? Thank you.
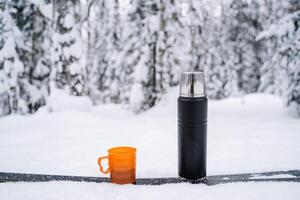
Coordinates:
(192, 84)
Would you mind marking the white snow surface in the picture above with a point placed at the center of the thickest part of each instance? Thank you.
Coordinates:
(250, 134)
(96, 191)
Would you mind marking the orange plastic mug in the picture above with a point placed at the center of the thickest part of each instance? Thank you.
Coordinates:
(121, 162)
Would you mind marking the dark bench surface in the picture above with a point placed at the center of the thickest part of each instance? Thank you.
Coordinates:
(276, 176)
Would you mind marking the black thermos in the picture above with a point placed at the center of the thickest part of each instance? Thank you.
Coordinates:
(192, 123)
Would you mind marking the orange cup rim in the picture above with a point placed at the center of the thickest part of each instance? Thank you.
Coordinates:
(122, 150)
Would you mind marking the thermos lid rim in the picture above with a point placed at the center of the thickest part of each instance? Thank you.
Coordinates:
(192, 84)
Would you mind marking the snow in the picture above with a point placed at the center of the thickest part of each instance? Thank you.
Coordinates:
(136, 95)
(69, 21)
(60, 101)
(274, 176)
(91, 191)
(250, 134)
(285, 26)
(74, 68)
(37, 2)
(47, 10)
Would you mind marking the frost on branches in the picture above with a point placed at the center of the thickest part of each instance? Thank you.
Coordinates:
(160, 55)
(23, 74)
(132, 52)
(11, 68)
(105, 72)
(286, 59)
(66, 48)
(138, 54)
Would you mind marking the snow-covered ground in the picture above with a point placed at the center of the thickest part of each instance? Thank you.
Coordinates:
(250, 134)
(94, 191)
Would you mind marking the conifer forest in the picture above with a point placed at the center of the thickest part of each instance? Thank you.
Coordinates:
(131, 52)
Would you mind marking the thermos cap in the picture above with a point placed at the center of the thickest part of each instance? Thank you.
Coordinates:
(192, 84)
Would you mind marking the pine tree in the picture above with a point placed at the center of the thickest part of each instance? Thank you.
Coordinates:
(140, 54)
(272, 11)
(286, 58)
(66, 48)
(172, 47)
(104, 43)
(160, 50)
(217, 54)
(11, 68)
(242, 32)
(25, 77)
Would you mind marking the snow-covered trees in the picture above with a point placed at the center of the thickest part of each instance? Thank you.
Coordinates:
(217, 55)
(286, 59)
(132, 51)
(157, 61)
(229, 52)
(143, 39)
(34, 84)
(66, 47)
(23, 65)
(245, 25)
(11, 68)
(236, 61)
(270, 81)
(162, 53)
(103, 64)
(139, 54)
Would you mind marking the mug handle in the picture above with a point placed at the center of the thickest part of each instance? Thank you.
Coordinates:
(101, 168)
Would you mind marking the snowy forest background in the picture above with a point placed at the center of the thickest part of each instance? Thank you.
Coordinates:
(132, 52)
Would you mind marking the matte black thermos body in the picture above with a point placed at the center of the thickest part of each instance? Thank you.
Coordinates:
(192, 126)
